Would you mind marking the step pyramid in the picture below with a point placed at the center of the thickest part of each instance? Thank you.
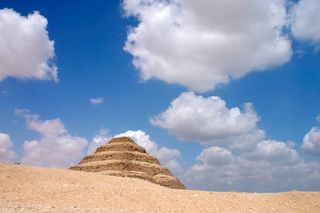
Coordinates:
(122, 157)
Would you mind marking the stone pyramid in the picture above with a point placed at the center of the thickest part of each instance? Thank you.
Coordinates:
(123, 157)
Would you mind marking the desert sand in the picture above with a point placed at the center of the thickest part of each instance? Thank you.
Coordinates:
(32, 189)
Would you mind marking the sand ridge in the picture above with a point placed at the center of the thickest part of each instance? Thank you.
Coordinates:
(32, 189)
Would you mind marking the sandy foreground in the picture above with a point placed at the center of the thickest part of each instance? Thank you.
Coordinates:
(32, 189)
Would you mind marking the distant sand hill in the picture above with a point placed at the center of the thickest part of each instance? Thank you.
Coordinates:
(123, 157)
(31, 189)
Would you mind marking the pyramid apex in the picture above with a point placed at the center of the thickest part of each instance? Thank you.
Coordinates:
(121, 139)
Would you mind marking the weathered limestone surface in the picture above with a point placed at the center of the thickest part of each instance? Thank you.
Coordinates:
(123, 157)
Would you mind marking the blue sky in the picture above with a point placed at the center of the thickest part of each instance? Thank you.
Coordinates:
(89, 41)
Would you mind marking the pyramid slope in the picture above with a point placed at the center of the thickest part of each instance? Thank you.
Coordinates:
(123, 157)
(119, 155)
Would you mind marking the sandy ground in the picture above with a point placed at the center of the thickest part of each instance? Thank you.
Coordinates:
(31, 189)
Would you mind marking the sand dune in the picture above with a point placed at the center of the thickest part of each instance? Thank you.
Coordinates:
(31, 189)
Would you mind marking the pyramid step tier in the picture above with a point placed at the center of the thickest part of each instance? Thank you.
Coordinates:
(120, 155)
(123, 146)
(161, 179)
(132, 174)
(168, 181)
(121, 140)
(122, 165)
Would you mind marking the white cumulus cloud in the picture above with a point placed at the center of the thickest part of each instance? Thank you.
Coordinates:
(192, 117)
(96, 101)
(237, 155)
(168, 157)
(271, 150)
(271, 166)
(311, 141)
(252, 175)
(216, 156)
(55, 147)
(166, 154)
(305, 20)
(25, 48)
(98, 140)
(6, 152)
(202, 44)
